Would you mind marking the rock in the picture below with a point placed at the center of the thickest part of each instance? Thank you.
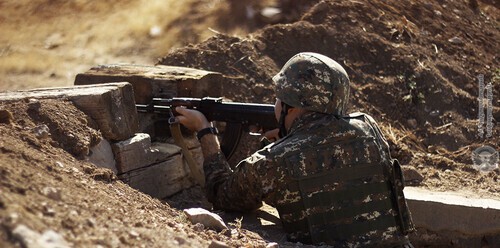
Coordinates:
(155, 31)
(205, 217)
(6, 116)
(180, 240)
(271, 14)
(272, 245)
(133, 234)
(413, 123)
(48, 210)
(456, 40)
(59, 164)
(198, 227)
(52, 193)
(41, 131)
(104, 174)
(33, 239)
(411, 175)
(218, 244)
(91, 222)
(434, 113)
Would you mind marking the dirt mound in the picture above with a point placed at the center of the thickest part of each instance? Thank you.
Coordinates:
(44, 187)
(413, 66)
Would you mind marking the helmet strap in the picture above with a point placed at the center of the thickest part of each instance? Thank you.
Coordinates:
(284, 111)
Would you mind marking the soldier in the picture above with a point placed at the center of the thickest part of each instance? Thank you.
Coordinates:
(330, 176)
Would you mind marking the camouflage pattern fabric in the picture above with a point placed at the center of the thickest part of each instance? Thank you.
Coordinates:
(314, 82)
(331, 179)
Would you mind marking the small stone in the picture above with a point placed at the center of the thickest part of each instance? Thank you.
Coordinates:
(180, 240)
(218, 244)
(272, 245)
(411, 175)
(52, 193)
(198, 227)
(155, 31)
(48, 210)
(412, 123)
(91, 222)
(74, 170)
(11, 219)
(26, 236)
(104, 174)
(271, 14)
(6, 116)
(53, 239)
(41, 131)
(59, 164)
(205, 217)
(434, 113)
(133, 234)
(456, 40)
(123, 240)
(33, 239)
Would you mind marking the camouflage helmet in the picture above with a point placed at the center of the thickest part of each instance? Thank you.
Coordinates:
(314, 82)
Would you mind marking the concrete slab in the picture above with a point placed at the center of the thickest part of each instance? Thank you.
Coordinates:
(453, 212)
(112, 106)
(156, 81)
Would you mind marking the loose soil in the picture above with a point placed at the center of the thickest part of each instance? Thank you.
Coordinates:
(413, 66)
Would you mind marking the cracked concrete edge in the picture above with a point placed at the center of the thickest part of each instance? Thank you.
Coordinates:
(453, 211)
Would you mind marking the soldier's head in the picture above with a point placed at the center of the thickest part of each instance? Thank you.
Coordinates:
(313, 82)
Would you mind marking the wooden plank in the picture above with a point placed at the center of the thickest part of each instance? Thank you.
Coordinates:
(112, 105)
(156, 81)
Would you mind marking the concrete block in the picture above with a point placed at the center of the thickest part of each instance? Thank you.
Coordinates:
(138, 152)
(165, 178)
(158, 168)
(453, 212)
(156, 81)
(102, 156)
(112, 106)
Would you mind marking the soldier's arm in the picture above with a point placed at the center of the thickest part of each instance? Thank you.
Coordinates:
(239, 190)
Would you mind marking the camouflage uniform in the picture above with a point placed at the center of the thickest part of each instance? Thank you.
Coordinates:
(331, 178)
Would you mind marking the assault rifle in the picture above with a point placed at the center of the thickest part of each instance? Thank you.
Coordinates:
(239, 117)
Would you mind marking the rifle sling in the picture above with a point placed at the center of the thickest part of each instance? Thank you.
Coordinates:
(231, 138)
(175, 130)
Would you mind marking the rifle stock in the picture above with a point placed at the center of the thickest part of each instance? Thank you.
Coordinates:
(238, 116)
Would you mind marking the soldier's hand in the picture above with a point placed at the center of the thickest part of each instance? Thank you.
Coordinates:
(192, 119)
(272, 135)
